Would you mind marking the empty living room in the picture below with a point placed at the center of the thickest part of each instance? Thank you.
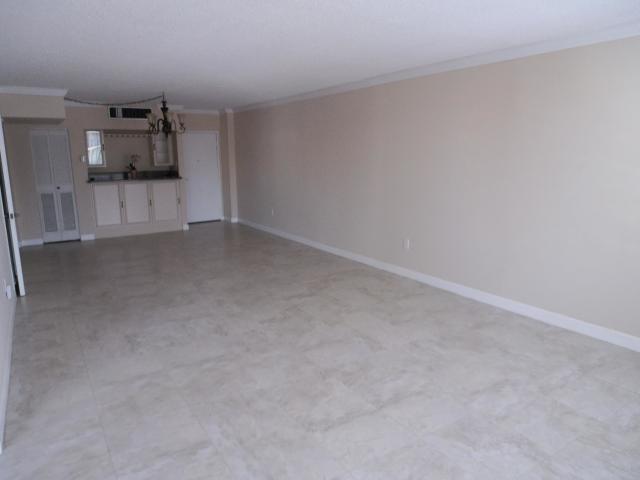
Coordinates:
(320, 240)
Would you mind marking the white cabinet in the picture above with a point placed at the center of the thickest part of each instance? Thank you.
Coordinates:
(165, 201)
(136, 207)
(107, 204)
(136, 202)
(161, 154)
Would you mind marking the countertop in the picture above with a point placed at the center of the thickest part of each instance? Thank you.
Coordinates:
(134, 180)
(124, 177)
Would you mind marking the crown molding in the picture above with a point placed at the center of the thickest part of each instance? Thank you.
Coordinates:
(172, 108)
(617, 32)
(43, 92)
(201, 111)
(72, 104)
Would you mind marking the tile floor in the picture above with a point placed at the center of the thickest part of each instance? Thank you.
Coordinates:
(225, 353)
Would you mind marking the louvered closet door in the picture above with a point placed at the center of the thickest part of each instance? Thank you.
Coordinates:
(54, 182)
(44, 185)
(60, 159)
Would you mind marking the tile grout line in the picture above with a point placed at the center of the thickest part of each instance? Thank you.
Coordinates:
(95, 398)
(199, 422)
(102, 342)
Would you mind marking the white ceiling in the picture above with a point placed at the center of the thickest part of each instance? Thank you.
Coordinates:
(230, 53)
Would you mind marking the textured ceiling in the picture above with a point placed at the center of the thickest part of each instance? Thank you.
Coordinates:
(230, 53)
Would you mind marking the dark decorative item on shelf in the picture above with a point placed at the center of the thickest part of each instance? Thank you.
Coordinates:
(133, 171)
(170, 122)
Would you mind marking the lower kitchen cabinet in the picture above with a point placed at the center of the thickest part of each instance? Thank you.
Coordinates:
(136, 202)
(106, 199)
(165, 201)
(136, 207)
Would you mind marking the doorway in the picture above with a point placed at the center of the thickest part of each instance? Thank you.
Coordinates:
(54, 185)
(200, 169)
(10, 218)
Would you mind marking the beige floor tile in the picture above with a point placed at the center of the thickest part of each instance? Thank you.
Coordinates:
(226, 353)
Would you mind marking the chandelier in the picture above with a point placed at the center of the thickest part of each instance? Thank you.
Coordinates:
(168, 123)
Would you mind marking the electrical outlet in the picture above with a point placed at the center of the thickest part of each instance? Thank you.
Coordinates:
(406, 244)
(8, 289)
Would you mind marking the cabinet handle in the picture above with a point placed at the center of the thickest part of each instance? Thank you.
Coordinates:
(150, 203)
(121, 203)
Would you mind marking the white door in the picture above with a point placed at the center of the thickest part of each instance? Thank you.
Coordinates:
(54, 184)
(10, 217)
(200, 168)
(106, 199)
(165, 201)
(136, 202)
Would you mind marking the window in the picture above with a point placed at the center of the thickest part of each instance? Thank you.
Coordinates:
(95, 149)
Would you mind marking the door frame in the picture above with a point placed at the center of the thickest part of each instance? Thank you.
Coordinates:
(63, 237)
(216, 133)
(14, 245)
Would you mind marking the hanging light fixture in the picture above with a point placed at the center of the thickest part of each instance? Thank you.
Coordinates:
(170, 122)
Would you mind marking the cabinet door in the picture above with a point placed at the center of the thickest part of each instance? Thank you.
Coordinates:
(161, 155)
(136, 202)
(107, 203)
(165, 200)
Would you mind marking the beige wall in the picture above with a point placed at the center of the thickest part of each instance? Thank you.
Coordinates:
(228, 173)
(232, 179)
(32, 107)
(521, 178)
(224, 166)
(78, 119)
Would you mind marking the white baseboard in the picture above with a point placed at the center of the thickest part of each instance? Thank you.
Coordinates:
(185, 227)
(234, 220)
(87, 237)
(31, 242)
(557, 319)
